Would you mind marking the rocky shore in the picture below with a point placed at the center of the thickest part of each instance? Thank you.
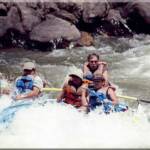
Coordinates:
(51, 25)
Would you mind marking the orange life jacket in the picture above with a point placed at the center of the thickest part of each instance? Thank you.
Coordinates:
(71, 97)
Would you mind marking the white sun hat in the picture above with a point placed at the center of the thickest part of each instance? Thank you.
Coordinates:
(77, 73)
(29, 66)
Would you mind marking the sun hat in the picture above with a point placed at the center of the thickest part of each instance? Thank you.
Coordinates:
(77, 73)
(29, 66)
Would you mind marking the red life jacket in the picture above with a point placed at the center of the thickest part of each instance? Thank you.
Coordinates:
(71, 97)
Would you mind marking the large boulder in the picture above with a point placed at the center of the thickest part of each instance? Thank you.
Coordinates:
(11, 21)
(3, 26)
(3, 10)
(50, 7)
(14, 20)
(117, 24)
(74, 8)
(141, 8)
(94, 10)
(29, 16)
(54, 28)
(63, 14)
(138, 16)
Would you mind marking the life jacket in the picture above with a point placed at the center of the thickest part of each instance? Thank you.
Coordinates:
(89, 77)
(96, 98)
(102, 98)
(120, 107)
(71, 97)
(24, 84)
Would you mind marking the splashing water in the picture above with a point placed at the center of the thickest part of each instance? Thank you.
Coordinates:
(54, 125)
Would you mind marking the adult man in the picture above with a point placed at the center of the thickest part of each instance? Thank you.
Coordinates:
(72, 91)
(94, 66)
(29, 85)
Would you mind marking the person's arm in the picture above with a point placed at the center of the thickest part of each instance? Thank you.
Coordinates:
(33, 93)
(61, 95)
(101, 66)
(105, 75)
(84, 96)
(84, 101)
(86, 70)
(102, 69)
(113, 96)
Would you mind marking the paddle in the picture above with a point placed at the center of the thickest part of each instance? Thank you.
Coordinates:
(133, 98)
(120, 96)
(51, 89)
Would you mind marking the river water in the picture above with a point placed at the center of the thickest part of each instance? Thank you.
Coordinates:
(55, 125)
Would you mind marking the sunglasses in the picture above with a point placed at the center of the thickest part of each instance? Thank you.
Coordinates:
(92, 61)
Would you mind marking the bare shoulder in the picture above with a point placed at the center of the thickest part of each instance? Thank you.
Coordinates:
(65, 85)
(110, 90)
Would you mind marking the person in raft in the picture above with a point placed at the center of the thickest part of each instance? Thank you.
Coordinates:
(102, 95)
(29, 85)
(72, 91)
(93, 66)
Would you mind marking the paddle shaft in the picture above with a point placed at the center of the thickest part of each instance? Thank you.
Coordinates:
(120, 96)
(51, 89)
(133, 98)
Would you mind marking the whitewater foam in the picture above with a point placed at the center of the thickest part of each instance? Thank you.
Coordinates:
(54, 125)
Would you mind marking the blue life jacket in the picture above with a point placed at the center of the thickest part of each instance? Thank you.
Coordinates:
(107, 107)
(120, 107)
(24, 83)
(98, 95)
(99, 98)
(89, 77)
(95, 99)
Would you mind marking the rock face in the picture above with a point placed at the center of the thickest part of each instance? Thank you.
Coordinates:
(11, 21)
(3, 10)
(3, 26)
(57, 24)
(138, 16)
(54, 28)
(94, 10)
(55, 32)
(114, 25)
(29, 16)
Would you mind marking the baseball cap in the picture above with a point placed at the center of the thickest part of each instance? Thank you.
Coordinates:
(29, 66)
(98, 77)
